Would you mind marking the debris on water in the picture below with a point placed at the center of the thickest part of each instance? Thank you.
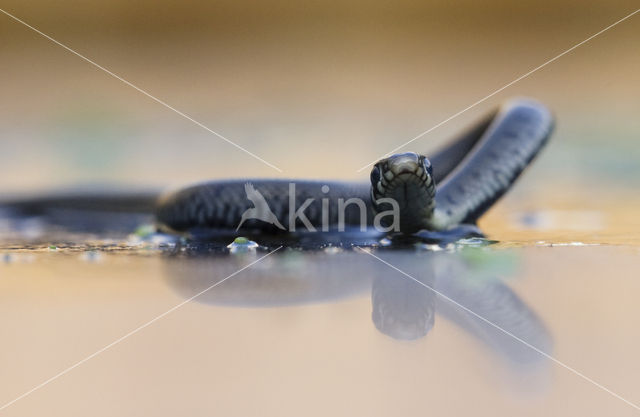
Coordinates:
(242, 245)
(431, 247)
(147, 237)
(53, 248)
(454, 246)
(552, 244)
(385, 242)
(475, 242)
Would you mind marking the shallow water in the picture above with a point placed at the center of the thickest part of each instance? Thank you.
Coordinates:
(308, 332)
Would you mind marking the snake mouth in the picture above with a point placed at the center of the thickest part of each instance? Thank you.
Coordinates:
(405, 188)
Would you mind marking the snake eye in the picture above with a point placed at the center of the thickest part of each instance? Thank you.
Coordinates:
(426, 164)
(375, 176)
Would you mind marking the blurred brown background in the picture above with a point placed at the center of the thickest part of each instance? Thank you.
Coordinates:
(317, 88)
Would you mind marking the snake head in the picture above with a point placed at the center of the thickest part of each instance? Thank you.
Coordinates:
(401, 170)
(406, 178)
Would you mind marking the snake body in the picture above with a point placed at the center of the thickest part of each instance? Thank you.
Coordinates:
(471, 174)
(450, 189)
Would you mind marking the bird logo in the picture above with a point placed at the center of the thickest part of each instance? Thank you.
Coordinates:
(260, 209)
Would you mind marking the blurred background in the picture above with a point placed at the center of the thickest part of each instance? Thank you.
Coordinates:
(316, 88)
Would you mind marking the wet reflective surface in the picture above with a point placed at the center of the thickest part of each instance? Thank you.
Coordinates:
(334, 324)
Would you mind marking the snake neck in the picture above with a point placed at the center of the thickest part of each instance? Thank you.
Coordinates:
(414, 202)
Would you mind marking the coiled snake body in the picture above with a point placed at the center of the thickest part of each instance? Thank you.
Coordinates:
(455, 187)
